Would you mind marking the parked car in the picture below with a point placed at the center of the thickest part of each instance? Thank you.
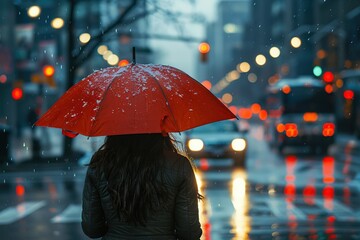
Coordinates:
(217, 140)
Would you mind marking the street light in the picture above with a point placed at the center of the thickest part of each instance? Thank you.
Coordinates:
(102, 49)
(295, 42)
(34, 11)
(113, 59)
(274, 52)
(260, 59)
(57, 23)
(84, 38)
(243, 67)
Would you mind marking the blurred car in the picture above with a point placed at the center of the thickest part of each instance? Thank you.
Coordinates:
(217, 140)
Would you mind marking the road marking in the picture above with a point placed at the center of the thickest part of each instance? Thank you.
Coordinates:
(71, 214)
(338, 209)
(285, 209)
(12, 214)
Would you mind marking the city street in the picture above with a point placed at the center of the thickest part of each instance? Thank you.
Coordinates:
(294, 195)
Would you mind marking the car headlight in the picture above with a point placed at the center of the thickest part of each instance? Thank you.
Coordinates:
(195, 145)
(238, 144)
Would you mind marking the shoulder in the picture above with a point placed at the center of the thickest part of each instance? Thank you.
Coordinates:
(92, 174)
(180, 163)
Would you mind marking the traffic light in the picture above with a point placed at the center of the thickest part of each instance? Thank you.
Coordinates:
(17, 93)
(204, 49)
(49, 72)
(317, 71)
(328, 77)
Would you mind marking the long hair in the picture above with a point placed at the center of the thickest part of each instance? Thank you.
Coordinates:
(132, 165)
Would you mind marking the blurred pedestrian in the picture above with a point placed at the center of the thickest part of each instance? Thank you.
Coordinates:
(139, 187)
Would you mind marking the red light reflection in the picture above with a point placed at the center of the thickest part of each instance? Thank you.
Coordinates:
(328, 169)
(204, 164)
(309, 194)
(20, 190)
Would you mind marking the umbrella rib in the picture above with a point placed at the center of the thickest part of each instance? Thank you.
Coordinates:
(163, 93)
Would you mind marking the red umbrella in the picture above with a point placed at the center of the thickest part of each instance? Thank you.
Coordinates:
(137, 98)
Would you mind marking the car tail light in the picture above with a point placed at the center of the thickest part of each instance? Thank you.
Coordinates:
(328, 129)
(280, 127)
(310, 117)
(238, 144)
(291, 130)
(195, 145)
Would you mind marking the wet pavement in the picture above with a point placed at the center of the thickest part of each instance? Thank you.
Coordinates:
(294, 195)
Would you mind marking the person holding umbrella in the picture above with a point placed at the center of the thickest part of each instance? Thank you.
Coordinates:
(138, 186)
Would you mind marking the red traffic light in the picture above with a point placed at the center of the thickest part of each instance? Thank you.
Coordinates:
(328, 77)
(123, 63)
(17, 93)
(348, 94)
(204, 47)
(48, 71)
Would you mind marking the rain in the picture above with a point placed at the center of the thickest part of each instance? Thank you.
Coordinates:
(288, 165)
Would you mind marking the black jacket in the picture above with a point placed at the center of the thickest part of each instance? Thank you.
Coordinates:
(179, 220)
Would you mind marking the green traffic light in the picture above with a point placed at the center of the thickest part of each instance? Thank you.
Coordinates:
(317, 71)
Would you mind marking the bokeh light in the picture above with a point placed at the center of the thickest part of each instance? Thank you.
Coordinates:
(102, 49)
(260, 59)
(84, 38)
(34, 11)
(57, 23)
(274, 52)
(295, 42)
(227, 98)
(243, 67)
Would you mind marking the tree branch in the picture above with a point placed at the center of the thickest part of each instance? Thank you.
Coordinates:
(97, 38)
(94, 45)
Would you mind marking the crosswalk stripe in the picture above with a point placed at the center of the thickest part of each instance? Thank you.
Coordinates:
(71, 214)
(283, 209)
(12, 214)
(341, 211)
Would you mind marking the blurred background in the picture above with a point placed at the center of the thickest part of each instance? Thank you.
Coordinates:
(246, 52)
(47, 46)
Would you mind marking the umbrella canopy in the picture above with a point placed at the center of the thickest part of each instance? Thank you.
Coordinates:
(137, 98)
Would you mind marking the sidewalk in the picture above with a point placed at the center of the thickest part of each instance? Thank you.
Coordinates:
(51, 144)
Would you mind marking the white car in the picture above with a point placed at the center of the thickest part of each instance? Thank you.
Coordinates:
(217, 140)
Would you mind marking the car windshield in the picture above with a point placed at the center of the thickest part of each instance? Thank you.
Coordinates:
(223, 126)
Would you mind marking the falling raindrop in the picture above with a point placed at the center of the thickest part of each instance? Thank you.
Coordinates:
(24, 144)
(34, 170)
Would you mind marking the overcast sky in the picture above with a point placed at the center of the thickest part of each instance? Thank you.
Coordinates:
(182, 54)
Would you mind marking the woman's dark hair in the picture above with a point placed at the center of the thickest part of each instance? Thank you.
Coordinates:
(132, 166)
